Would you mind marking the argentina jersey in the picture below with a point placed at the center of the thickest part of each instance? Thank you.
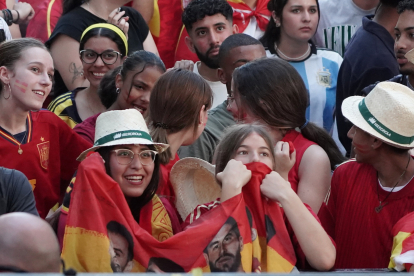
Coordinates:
(320, 75)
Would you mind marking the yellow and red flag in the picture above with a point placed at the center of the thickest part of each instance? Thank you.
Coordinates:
(245, 233)
(402, 255)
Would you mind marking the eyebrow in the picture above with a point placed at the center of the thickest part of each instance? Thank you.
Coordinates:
(135, 82)
(41, 64)
(212, 244)
(300, 6)
(406, 29)
(215, 25)
(241, 60)
(119, 251)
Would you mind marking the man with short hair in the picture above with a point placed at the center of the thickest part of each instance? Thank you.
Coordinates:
(208, 23)
(235, 51)
(27, 243)
(121, 247)
(403, 44)
(369, 58)
(223, 253)
(370, 193)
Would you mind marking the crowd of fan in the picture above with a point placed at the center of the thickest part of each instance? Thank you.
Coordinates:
(320, 92)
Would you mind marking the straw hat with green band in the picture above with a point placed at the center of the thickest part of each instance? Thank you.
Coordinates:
(387, 113)
(114, 28)
(121, 127)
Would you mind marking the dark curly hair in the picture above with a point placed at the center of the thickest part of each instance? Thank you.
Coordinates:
(198, 9)
(404, 6)
(137, 61)
(272, 33)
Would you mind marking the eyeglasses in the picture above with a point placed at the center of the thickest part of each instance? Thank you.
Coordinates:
(125, 156)
(108, 57)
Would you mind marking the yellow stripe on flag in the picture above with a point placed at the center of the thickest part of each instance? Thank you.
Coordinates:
(397, 246)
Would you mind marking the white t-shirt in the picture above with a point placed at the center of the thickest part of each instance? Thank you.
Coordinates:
(219, 88)
(340, 19)
(3, 25)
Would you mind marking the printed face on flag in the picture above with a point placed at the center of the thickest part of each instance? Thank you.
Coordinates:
(223, 253)
(120, 247)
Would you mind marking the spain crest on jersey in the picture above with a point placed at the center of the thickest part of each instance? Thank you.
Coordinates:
(44, 153)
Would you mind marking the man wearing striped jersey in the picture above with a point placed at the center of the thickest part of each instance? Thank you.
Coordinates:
(370, 193)
(340, 19)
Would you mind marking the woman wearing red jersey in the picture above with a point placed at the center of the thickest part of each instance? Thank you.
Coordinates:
(35, 142)
(272, 92)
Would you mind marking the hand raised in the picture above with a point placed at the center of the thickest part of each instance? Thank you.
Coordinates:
(275, 187)
(117, 18)
(184, 64)
(285, 155)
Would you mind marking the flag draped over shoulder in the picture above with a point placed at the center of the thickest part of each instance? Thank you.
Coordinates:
(402, 255)
(244, 233)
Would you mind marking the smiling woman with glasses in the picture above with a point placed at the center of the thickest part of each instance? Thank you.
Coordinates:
(103, 47)
(131, 159)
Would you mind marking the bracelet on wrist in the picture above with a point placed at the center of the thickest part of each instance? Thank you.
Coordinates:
(18, 17)
(9, 16)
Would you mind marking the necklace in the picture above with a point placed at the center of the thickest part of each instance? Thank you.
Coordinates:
(285, 57)
(380, 206)
(20, 151)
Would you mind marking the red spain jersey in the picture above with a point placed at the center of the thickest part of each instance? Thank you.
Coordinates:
(48, 156)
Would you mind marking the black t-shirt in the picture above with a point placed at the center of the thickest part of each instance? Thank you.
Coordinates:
(16, 193)
(77, 20)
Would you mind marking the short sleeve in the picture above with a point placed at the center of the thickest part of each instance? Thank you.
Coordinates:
(138, 29)
(19, 195)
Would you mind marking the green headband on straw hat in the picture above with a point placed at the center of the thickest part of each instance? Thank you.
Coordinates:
(114, 28)
(386, 113)
(122, 127)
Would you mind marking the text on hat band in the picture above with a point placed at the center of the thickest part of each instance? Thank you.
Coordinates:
(380, 128)
(123, 135)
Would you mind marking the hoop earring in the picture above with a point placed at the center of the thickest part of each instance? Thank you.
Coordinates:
(9, 93)
(117, 90)
(277, 24)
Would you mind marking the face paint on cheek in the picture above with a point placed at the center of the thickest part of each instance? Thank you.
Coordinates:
(21, 85)
(361, 148)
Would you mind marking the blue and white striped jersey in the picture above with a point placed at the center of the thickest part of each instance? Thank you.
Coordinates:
(320, 74)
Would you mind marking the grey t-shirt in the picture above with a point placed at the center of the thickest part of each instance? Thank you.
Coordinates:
(218, 120)
(16, 193)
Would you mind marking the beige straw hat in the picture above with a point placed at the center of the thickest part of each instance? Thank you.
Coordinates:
(194, 183)
(121, 127)
(410, 55)
(387, 113)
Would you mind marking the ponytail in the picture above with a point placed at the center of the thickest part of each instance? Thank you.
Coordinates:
(175, 104)
(319, 135)
(159, 134)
